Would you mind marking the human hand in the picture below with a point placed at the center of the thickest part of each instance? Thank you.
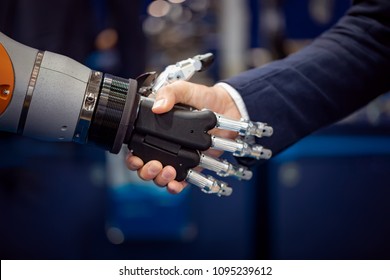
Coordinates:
(215, 98)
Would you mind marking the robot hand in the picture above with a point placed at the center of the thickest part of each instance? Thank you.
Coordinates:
(51, 97)
(179, 137)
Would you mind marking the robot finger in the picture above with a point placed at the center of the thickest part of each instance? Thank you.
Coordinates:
(224, 168)
(208, 184)
(240, 148)
(244, 127)
(182, 70)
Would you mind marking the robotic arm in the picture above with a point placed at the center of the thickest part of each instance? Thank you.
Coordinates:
(54, 98)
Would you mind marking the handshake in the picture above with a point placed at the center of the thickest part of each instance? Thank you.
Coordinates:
(51, 97)
(171, 143)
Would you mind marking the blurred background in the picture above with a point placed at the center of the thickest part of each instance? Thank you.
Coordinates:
(324, 198)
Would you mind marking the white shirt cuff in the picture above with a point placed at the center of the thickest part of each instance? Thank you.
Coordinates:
(237, 99)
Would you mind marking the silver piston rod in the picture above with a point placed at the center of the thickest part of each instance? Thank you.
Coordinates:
(240, 148)
(244, 127)
(224, 168)
(208, 184)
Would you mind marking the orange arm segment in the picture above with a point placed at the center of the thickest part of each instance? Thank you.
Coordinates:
(7, 79)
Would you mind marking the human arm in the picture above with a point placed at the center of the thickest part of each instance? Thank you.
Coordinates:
(336, 74)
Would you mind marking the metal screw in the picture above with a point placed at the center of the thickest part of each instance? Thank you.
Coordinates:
(89, 100)
(6, 92)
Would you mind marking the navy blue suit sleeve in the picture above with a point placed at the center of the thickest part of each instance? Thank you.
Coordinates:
(336, 74)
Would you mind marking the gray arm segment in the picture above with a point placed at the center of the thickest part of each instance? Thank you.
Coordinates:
(48, 96)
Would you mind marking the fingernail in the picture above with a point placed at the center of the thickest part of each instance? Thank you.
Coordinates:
(167, 175)
(133, 166)
(159, 103)
(153, 170)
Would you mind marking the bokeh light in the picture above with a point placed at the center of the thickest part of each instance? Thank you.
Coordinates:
(159, 8)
